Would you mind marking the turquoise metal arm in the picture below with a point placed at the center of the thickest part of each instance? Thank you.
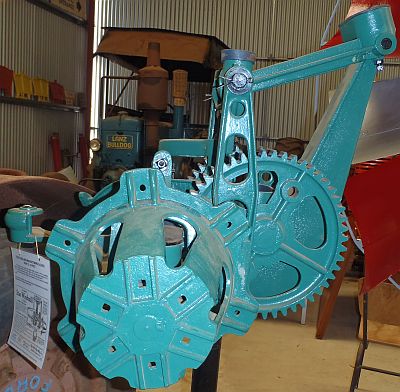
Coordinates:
(365, 38)
(368, 36)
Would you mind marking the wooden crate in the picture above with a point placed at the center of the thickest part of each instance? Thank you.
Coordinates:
(383, 313)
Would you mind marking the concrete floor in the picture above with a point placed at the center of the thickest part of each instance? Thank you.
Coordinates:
(282, 355)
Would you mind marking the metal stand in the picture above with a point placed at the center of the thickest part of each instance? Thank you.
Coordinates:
(205, 378)
(361, 351)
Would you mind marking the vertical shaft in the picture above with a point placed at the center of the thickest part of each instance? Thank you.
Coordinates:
(205, 378)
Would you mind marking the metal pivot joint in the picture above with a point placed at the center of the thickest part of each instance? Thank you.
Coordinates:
(238, 79)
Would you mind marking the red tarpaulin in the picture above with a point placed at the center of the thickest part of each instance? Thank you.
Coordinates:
(360, 5)
(374, 200)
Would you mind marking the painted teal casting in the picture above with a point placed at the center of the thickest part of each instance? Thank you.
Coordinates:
(159, 269)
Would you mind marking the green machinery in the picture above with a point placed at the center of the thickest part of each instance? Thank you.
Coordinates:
(159, 269)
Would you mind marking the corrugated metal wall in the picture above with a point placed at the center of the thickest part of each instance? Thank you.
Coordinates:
(270, 28)
(39, 44)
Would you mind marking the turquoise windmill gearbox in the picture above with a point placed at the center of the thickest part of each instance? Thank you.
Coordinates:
(159, 269)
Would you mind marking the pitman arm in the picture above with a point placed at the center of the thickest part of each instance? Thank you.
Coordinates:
(368, 37)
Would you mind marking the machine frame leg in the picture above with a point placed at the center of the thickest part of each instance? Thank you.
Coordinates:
(205, 377)
(358, 366)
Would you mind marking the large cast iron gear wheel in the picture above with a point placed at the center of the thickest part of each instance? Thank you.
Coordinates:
(299, 230)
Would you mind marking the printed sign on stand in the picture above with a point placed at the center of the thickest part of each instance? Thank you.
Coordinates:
(32, 298)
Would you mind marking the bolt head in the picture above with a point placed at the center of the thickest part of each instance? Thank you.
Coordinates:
(162, 163)
(386, 43)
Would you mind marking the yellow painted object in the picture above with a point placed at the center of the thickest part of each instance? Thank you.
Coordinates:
(69, 98)
(41, 90)
(23, 86)
(179, 87)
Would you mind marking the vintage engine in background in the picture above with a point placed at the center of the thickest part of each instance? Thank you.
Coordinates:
(126, 142)
(119, 147)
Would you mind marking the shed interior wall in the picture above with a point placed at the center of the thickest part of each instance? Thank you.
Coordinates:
(40, 44)
(273, 29)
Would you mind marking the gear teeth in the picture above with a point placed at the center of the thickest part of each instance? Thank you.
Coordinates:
(330, 275)
(311, 298)
(273, 153)
(339, 259)
(226, 167)
(292, 158)
(284, 311)
(325, 284)
(283, 155)
(263, 154)
(234, 163)
(264, 315)
(293, 308)
(202, 167)
(196, 174)
(303, 165)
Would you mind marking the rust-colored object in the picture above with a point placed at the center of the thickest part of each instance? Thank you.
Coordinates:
(6, 78)
(11, 172)
(199, 55)
(57, 198)
(56, 150)
(152, 97)
(89, 66)
(329, 295)
(57, 93)
(291, 145)
(84, 152)
(153, 82)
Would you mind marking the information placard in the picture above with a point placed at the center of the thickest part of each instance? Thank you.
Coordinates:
(32, 298)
